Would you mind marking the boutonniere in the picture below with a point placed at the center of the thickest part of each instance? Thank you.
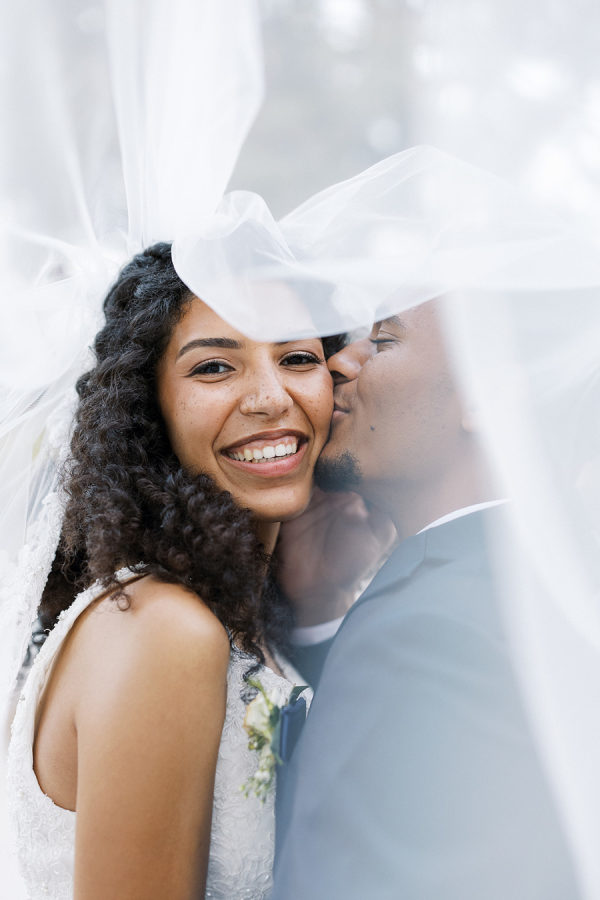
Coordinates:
(267, 725)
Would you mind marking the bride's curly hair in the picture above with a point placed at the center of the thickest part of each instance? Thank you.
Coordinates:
(130, 502)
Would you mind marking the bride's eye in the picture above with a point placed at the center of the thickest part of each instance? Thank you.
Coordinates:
(211, 367)
(302, 358)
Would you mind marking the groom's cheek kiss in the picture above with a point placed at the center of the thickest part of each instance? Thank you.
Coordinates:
(398, 429)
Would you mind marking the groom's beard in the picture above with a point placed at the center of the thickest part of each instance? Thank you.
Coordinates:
(339, 474)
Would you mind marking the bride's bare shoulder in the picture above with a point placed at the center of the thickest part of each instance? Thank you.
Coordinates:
(155, 626)
(152, 674)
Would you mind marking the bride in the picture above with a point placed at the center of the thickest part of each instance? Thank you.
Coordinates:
(191, 444)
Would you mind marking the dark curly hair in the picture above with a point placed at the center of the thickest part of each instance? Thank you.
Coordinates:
(130, 502)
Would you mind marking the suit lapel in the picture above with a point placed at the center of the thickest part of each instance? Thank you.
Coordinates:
(403, 562)
(460, 538)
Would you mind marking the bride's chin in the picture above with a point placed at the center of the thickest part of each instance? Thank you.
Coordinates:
(277, 510)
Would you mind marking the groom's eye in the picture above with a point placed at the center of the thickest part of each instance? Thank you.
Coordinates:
(380, 342)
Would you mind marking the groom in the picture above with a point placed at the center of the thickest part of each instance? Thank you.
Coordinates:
(416, 776)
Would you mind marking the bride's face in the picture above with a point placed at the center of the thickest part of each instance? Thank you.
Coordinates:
(254, 416)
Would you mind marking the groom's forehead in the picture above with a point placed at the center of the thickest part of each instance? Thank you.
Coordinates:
(396, 322)
(410, 319)
(423, 319)
(364, 331)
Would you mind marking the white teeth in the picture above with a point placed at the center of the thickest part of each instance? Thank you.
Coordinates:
(268, 452)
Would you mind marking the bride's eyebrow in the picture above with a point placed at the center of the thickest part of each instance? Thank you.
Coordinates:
(223, 343)
(300, 340)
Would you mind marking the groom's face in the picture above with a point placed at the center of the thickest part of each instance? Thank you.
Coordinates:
(397, 414)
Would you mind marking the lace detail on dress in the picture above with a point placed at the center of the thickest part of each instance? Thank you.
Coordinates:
(44, 832)
(243, 833)
(243, 828)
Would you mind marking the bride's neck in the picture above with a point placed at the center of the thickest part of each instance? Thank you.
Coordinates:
(267, 533)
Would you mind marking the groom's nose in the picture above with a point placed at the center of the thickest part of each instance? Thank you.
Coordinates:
(347, 363)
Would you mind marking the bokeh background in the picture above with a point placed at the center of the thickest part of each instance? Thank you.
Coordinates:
(511, 86)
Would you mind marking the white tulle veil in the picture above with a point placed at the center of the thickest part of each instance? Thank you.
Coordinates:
(523, 315)
(106, 149)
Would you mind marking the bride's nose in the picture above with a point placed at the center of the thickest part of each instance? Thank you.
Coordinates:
(265, 394)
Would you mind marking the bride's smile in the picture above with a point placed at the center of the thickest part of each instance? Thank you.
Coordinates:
(271, 454)
(252, 415)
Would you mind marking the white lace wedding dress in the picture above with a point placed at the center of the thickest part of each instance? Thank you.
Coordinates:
(243, 829)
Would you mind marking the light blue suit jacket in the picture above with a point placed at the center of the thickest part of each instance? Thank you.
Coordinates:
(416, 776)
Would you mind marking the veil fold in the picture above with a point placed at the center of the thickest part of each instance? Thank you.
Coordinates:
(120, 128)
(416, 225)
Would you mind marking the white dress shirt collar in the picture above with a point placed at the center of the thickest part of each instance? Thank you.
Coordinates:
(458, 513)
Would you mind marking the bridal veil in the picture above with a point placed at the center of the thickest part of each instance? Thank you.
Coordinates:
(122, 129)
(174, 89)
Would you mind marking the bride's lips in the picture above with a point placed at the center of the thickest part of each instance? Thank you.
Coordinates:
(279, 453)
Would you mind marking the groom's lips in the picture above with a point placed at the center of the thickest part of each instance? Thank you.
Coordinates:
(342, 402)
(338, 412)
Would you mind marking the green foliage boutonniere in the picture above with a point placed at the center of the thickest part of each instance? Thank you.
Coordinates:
(262, 723)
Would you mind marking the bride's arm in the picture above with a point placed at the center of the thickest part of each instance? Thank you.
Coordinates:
(148, 717)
